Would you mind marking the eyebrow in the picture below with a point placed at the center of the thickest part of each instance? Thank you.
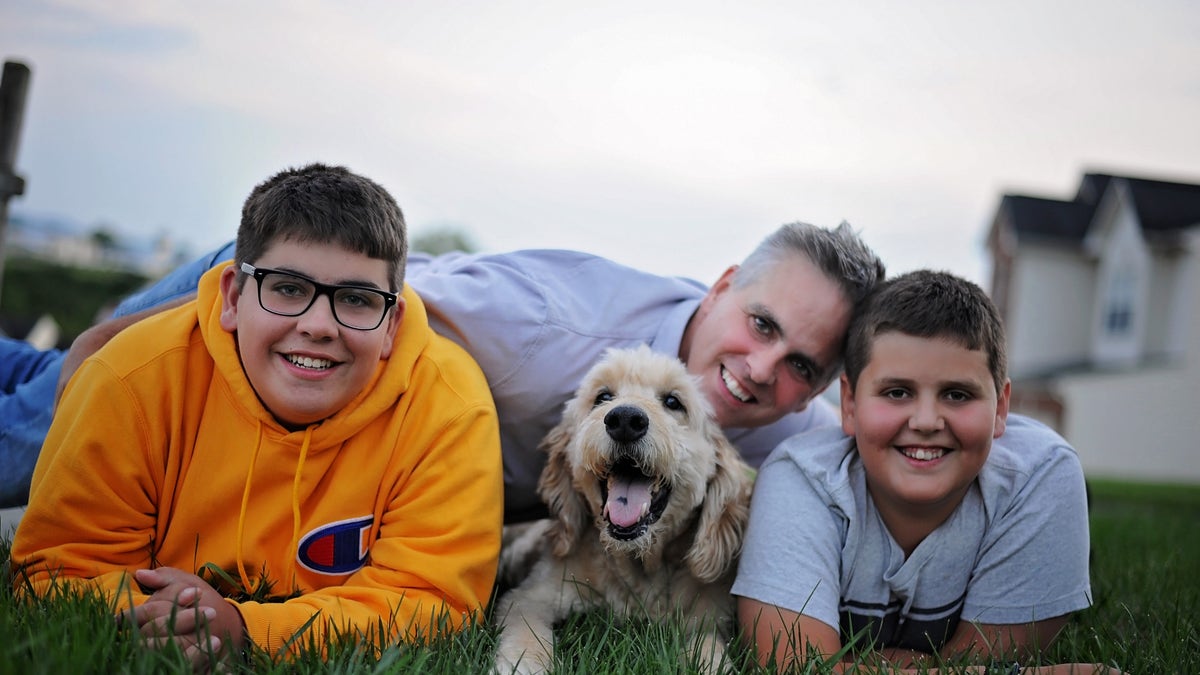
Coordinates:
(966, 385)
(765, 313)
(365, 283)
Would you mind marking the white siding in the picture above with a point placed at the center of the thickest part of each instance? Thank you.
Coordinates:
(1144, 424)
(1123, 281)
(1050, 309)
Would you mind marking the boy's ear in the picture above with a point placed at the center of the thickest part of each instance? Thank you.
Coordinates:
(230, 293)
(391, 326)
(847, 396)
(1002, 408)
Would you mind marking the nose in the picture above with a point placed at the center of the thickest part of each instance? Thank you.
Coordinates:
(762, 363)
(626, 424)
(319, 321)
(926, 416)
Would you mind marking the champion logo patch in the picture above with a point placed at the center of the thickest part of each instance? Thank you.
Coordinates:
(336, 548)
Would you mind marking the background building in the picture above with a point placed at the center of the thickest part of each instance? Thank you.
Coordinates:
(1100, 296)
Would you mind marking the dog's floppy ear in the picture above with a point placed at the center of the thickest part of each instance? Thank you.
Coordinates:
(556, 489)
(724, 513)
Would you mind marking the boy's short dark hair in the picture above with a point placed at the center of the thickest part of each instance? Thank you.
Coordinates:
(928, 304)
(328, 204)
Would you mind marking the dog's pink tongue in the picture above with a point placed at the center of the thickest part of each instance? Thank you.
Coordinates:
(627, 499)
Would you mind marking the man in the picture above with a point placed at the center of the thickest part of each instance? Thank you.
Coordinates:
(764, 340)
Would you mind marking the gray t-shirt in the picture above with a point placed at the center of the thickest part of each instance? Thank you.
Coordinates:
(1014, 551)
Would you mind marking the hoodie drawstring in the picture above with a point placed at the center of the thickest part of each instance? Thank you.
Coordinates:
(241, 566)
(295, 547)
(241, 526)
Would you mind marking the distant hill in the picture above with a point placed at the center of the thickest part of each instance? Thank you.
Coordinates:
(63, 240)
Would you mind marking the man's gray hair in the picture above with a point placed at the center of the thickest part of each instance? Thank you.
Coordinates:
(839, 253)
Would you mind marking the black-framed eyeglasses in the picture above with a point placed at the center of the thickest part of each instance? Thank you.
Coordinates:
(288, 294)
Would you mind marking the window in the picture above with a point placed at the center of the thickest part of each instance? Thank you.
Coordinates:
(1118, 314)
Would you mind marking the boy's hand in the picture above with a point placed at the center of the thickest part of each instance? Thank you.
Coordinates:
(184, 609)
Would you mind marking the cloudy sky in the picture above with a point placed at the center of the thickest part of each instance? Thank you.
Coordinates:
(667, 135)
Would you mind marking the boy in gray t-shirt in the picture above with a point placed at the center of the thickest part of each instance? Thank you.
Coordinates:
(911, 535)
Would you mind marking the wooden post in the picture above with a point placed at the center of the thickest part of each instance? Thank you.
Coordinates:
(13, 85)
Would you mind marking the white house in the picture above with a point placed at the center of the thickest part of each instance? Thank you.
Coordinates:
(1101, 301)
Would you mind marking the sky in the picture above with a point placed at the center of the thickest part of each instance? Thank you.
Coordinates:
(671, 136)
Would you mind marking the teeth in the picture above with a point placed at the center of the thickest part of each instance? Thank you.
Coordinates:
(923, 454)
(306, 362)
(733, 387)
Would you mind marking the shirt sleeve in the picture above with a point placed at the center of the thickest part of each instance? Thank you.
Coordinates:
(1033, 564)
(791, 557)
(179, 283)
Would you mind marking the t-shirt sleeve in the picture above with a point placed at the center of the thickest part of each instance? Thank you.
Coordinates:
(1033, 564)
(792, 552)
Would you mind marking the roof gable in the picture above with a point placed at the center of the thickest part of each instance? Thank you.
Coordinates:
(1162, 207)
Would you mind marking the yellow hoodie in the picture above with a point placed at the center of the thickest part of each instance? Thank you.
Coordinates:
(160, 454)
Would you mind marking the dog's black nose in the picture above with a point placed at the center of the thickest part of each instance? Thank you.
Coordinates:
(626, 424)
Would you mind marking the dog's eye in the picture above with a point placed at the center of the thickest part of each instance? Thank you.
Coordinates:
(673, 402)
(602, 397)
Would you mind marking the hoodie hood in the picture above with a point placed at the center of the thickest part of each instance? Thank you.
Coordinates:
(411, 339)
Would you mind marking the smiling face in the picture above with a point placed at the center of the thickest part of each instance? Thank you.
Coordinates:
(923, 412)
(306, 368)
(766, 349)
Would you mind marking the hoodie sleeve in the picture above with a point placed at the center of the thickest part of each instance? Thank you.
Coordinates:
(91, 516)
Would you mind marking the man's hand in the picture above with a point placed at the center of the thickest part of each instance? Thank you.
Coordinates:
(184, 609)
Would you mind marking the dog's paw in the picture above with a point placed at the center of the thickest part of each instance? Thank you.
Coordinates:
(520, 664)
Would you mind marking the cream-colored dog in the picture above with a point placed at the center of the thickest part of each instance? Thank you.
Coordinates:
(648, 504)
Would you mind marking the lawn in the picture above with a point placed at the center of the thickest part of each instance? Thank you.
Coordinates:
(1145, 547)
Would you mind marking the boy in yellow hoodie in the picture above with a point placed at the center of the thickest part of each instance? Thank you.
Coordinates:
(298, 426)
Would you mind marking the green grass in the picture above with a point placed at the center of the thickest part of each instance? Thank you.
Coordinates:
(1145, 546)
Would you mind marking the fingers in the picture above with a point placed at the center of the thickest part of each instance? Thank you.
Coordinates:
(203, 653)
(181, 622)
(164, 583)
(157, 608)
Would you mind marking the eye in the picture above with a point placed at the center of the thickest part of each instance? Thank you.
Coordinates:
(356, 299)
(895, 393)
(803, 369)
(289, 289)
(673, 402)
(957, 396)
(603, 397)
(762, 326)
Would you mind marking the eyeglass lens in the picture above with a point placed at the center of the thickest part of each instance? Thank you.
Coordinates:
(288, 295)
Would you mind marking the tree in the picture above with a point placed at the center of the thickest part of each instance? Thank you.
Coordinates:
(443, 240)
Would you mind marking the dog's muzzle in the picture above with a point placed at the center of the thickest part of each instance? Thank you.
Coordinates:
(633, 499)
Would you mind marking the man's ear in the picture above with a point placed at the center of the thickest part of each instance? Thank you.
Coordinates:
(722, 283)
(847, 396)
(391, 326)
(1002, 408)
(230, 294)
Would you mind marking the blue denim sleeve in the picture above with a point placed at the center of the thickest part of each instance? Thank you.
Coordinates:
(180, 282)
(29, 377)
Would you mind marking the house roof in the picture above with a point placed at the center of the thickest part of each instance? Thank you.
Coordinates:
(1162, 207)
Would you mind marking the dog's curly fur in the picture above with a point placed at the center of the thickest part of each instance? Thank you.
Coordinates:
(648, 504)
